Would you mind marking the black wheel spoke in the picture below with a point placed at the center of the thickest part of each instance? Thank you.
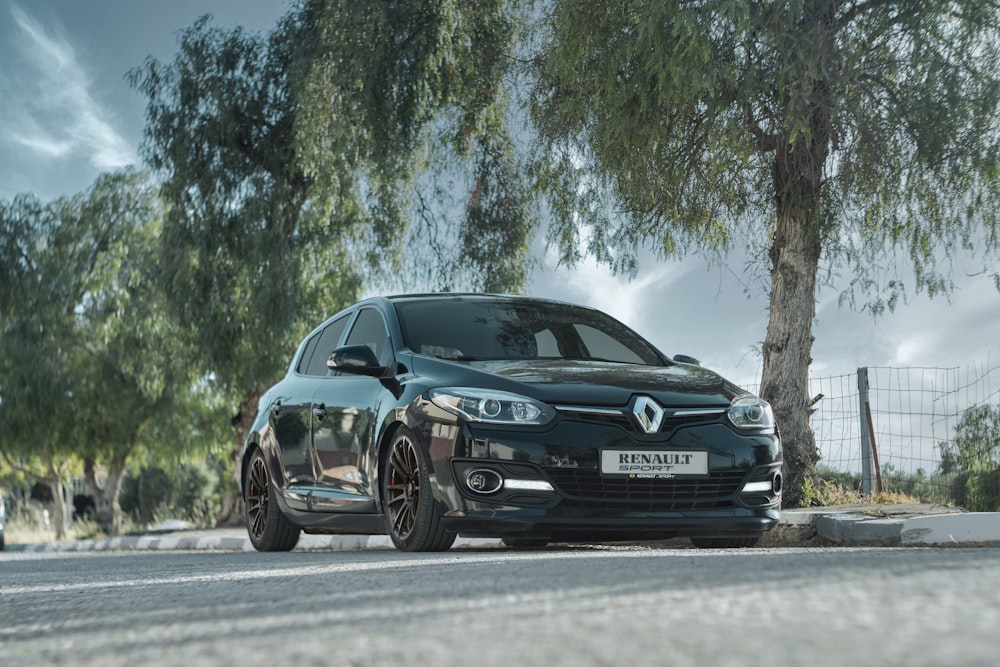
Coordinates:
(403, 487)
(257, 498)
(266, 525)
(410, 518)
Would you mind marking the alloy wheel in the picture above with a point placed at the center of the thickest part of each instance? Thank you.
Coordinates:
(403, 488)
(257, 498)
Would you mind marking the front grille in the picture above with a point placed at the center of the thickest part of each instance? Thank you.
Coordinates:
(588, 489)
(625, 420)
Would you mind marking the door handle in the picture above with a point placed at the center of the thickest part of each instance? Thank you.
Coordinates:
(319, 412)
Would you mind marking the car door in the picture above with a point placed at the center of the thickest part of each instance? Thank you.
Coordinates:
(290, 414)
(343, 426)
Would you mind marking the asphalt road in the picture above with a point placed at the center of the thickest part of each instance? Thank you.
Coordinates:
(492, 607)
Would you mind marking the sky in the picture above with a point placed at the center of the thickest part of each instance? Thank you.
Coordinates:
(67, 115)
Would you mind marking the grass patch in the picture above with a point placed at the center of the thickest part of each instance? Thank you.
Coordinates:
(825, 493)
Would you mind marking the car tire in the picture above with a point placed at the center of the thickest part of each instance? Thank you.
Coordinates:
(725, 542)
(412, 515)
(525, 542)
(267, 527)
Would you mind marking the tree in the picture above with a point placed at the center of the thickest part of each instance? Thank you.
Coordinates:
(89, 361)
(416, 95)
(856, 132)
(976, 446)
(34, 320)
(257, 245)
(131, 371)
(290, 161)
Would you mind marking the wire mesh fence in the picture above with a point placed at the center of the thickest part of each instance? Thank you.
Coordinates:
(913, 412)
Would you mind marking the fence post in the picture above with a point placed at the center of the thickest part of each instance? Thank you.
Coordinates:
(867, 472)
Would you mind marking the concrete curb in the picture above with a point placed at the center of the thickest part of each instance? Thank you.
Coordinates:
(876, 528)
(856, 526)
(225, 540)
(970, 528)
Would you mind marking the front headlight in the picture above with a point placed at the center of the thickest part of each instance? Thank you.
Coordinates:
(492, 407)
(749, 412)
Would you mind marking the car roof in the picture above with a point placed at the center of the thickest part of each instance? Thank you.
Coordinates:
(474, 296)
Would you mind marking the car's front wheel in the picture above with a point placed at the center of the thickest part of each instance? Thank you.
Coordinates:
(268, 528)
(412, 518)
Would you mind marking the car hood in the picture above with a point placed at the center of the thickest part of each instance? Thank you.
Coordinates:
(593, 383)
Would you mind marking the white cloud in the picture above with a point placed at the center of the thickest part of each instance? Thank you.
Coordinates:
(41, 144)
(51, 111)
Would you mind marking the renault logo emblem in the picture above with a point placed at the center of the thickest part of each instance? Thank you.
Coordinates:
(648, 414)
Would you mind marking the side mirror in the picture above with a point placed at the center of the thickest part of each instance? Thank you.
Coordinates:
(357, 360)
(684, 359)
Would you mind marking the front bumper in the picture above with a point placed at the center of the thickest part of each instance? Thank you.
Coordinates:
(608, 525)
(552, 484)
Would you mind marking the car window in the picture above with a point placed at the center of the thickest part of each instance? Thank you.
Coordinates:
(508, 329)
(307, 354)
(603, 346)
(326, 341)
(546, 343)
(369, 329)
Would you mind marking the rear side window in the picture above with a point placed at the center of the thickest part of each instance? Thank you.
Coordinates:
(307, 354)
(315, 360)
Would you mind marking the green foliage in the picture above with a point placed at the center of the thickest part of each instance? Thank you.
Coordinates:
(972, 459)
(256, 245)
(410, 99)
(983, 491)
(84, 329)
(857, 133)
(663, 122)
(977, 439)
(973, 491)
(81, 328)
(293, 161)
(188, 491)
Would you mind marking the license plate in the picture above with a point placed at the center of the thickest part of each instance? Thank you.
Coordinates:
(653, 464)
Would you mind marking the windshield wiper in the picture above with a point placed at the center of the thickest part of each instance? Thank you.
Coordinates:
(602, 359)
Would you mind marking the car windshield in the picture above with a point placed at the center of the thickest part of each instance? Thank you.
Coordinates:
(479, 329)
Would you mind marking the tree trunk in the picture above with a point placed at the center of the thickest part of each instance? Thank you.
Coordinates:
(60, 515)
(788, 349)
(107, 509)
(795, 253)
(798, 168)
(231, 513)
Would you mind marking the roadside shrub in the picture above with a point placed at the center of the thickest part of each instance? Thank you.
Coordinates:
(982, 491)
(186, 492)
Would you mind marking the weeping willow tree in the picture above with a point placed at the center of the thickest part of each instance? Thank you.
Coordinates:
(859, 133)
(89, 363)
(297, 168)
(419, 91)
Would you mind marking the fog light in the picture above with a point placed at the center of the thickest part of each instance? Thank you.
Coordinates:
(483, 481)
(776, 483)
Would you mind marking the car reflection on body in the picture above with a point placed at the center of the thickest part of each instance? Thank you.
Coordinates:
(530, 420)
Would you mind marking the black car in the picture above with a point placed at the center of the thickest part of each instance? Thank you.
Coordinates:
(535, 421)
